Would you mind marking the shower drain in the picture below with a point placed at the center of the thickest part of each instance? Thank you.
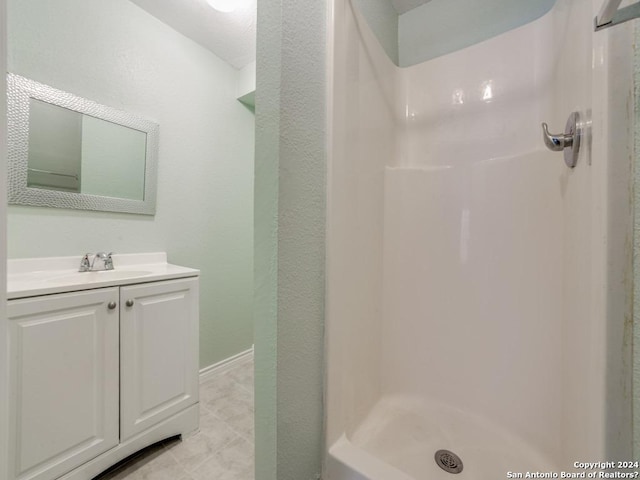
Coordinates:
(448, 461)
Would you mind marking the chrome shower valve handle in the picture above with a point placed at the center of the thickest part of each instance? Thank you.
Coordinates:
(569, 141)
(556, 142)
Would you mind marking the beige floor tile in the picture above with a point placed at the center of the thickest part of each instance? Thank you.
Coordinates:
(243, 375)
(225, 393)
(217, 387)
(233, 462)
(195, 450)
(222, 449)
(218, 430)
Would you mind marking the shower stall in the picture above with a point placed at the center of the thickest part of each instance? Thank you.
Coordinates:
(479, 290)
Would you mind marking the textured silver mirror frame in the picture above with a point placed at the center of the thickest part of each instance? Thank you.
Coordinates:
(19, 91)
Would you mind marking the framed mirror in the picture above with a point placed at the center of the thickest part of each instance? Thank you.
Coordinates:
(69, 152)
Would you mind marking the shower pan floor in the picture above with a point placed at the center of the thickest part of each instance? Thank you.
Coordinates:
(406, 433)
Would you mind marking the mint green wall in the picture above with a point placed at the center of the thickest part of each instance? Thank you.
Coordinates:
(289, 237)
(265, 301)
(383, 21)
(444, 26)
(115, 53)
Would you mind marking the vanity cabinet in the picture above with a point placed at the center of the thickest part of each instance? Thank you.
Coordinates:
(98, 374)
(63, 381)
(158, 369)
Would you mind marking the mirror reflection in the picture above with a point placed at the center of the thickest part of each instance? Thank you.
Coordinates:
(73, 152)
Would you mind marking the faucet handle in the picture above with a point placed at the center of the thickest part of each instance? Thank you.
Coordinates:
(108, 262)
(85, 264)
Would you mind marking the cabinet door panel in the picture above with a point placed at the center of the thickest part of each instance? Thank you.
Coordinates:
(64, 381)
(159, 352)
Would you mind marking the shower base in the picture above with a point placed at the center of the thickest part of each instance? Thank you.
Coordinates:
(401, 435)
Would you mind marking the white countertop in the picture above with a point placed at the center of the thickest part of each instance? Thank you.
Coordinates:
(29, 277)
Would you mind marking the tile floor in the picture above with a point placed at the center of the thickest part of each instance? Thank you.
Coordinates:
(221, 450)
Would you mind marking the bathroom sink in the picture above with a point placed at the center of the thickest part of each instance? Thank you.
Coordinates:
(100, 276)
(30, 277)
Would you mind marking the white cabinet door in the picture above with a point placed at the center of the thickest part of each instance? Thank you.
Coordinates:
(63, 361)
(158, 352)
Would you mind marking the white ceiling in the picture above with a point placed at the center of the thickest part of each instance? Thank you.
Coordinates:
(403, 6)
(231, 36)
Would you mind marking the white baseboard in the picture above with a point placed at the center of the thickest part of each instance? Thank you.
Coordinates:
(226, 364)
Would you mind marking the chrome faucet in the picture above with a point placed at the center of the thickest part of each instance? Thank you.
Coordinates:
(105, 258)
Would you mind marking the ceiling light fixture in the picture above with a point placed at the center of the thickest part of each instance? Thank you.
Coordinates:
(227, 5)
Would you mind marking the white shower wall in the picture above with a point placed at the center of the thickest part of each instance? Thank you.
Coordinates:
(473, 245)
(364, 139)
(467, 265)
